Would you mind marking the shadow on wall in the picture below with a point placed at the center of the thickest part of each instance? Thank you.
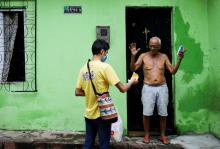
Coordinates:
(193, 62)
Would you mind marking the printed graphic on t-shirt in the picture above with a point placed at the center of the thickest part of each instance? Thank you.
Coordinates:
(86, 76)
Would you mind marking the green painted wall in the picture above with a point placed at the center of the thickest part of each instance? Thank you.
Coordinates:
(64, 44)
(214, 78)
(191, 30)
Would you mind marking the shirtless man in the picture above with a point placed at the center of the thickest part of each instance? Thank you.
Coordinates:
(155, 88)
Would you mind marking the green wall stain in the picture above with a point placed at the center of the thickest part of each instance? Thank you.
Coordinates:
(213, 103)
(202, 96)
(193, 62)
(194, 121)
(198, 109)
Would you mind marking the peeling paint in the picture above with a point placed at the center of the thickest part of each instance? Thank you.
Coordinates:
(194, 63)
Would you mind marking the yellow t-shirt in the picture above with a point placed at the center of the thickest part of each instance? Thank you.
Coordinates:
(103, 75)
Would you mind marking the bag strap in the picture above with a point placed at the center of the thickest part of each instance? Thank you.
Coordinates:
(93, 86)
(90, 77)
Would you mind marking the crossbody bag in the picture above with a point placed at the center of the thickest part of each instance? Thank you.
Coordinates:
(107, 109)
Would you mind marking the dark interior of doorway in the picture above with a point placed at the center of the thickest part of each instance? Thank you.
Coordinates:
(157, 22)
(17, 64)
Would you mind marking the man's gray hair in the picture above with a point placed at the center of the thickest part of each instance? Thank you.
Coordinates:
(157, 38)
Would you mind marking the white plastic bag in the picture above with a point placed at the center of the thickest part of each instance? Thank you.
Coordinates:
(117, 130)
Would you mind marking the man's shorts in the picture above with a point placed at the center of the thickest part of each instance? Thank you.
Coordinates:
(155, 94)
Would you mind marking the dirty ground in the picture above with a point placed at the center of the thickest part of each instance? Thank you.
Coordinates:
(74, 140)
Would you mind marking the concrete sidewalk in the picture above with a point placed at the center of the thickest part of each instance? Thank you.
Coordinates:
(74, 140)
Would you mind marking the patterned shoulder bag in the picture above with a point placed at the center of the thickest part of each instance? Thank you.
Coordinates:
(106, 107)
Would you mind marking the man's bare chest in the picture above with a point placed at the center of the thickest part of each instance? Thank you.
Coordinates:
(153, 63)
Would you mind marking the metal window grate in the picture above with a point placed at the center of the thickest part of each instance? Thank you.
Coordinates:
(28, 7)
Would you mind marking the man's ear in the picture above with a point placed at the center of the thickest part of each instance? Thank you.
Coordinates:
(102, 51)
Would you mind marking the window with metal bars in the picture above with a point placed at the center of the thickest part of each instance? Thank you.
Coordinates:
(12, 61)
(18, 46)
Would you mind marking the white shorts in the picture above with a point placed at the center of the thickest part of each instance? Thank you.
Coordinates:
(155, 94)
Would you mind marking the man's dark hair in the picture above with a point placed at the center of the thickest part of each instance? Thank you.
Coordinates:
(98, 45)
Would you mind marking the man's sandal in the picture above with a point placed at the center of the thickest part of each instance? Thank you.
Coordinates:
(164, 140)
(146, 139)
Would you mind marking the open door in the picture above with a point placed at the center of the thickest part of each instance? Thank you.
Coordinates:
(141, 25)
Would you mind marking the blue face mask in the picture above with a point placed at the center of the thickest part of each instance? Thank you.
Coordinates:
(104, 58)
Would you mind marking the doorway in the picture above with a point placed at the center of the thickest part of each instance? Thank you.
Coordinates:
(141, 25)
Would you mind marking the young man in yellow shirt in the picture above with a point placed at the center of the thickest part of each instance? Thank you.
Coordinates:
(102, 75)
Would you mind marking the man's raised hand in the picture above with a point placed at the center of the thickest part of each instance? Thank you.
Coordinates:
(134, 49)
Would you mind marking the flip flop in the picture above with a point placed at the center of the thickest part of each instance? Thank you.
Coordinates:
(164, 140)
(146, 139)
